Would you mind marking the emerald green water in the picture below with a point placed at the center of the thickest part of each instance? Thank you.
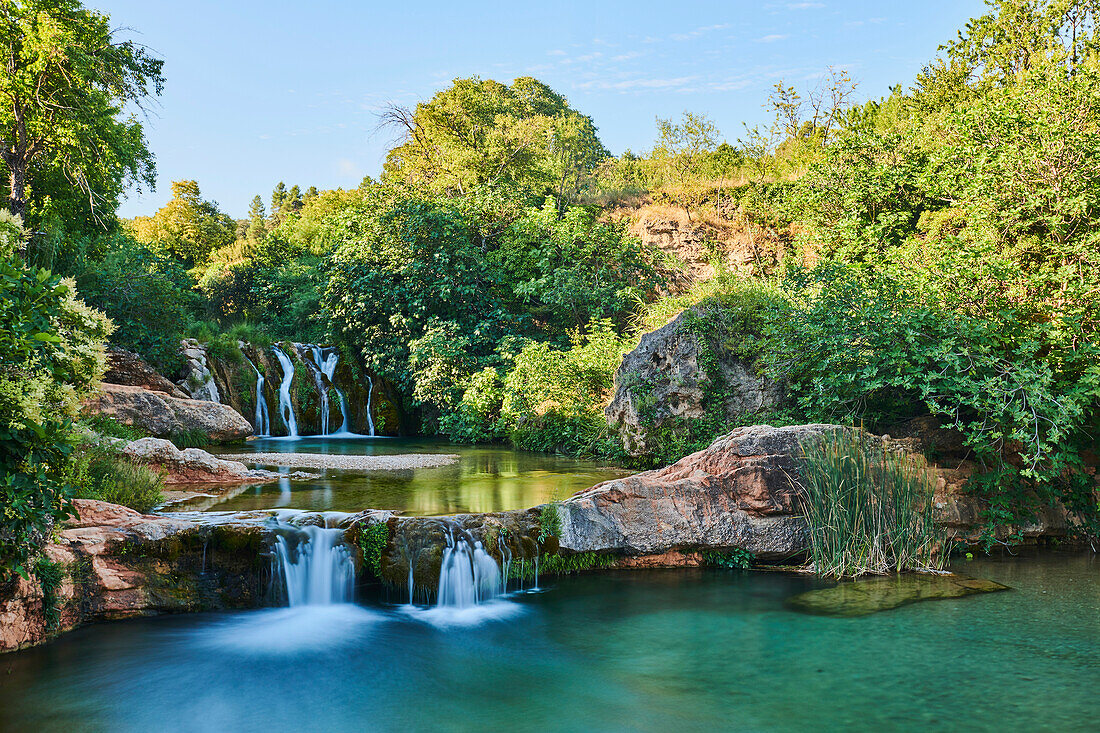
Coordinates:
(680, 650)
(485, 479)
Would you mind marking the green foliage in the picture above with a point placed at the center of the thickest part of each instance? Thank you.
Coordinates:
(147, 296)
(194, 438)
(549, 521)
(109, 427)
(51, 346)
(100, 471)
(558, 564)
(372, 543)
(868, 511)
(69, 148)
(481, 132)
(50, 575)
(187, 227)
(737, 558)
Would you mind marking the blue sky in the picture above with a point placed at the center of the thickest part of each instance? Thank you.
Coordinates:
(259, 92)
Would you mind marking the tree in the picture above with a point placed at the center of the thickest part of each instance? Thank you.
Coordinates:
(680, 152)
(257, 226)
(481, 132)
(66, 81)
(187, 226)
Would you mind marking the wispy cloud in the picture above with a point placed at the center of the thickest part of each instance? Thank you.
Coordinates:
(627, 56)
(638, 83)
(805, 6)
(773, 38)
(701, 30)
(555, 52)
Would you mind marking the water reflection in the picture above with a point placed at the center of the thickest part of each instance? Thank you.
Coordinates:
(485, 479)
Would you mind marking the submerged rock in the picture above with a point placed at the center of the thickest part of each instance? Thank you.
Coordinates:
(162, 415)
(871, 595)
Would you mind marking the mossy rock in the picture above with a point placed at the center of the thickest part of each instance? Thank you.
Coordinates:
(863, 597)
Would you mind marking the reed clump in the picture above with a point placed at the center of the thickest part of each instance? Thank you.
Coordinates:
(869, 511)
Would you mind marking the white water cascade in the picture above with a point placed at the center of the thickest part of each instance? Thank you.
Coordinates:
(286, 409)
(468, 574)
(370, 419)
(262, 423)
(318, 570)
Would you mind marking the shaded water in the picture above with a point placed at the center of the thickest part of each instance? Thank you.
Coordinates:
(642, 651)
(485, 479)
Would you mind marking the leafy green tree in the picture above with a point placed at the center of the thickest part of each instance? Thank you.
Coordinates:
(481, 132)
(66, 81)
(680, 152)
(187, 226)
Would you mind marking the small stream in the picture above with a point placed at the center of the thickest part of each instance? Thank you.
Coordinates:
(660, 650)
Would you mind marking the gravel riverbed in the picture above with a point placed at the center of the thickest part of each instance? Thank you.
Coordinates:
(361, 463)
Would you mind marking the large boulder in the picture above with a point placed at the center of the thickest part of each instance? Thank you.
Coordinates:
(162, 415)
(738, 493)
(126, 367)
(676, 375)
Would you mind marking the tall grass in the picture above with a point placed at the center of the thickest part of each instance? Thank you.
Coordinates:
(99, 471)
(869, 511)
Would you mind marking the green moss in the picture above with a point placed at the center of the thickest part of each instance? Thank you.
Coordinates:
(50, 576)
(372, 542)
(557, 564)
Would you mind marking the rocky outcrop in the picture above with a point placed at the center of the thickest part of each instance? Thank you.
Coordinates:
(117, 563)
(199, 382)
(196, 466)
(679, 373)
(161, 415)
(127, 368)
(738, 493)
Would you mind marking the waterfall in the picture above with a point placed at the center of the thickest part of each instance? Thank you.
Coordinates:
(318, 570)
(468, 574)
(322, 390)
(326, 360)
(286, 409)
(370, 419)
(262, 423)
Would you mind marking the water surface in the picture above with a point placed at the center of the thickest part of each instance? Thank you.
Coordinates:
(695, 650)
(485, 479)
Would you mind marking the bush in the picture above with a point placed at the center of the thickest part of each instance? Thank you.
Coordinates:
(51, 346)
(868, 511)
(99, 471)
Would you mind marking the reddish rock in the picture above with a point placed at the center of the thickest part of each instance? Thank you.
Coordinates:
(119, 563)
(738, 493)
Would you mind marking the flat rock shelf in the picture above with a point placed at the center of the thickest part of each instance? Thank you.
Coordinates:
(345, 462)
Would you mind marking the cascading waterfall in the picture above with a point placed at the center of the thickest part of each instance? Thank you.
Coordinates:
(318, 569)
(468, 574)
(314, 367)
(286, 409)
(370, 419)
(263, 416)
(326, 360)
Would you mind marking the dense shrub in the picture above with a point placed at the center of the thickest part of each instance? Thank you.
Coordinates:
(51, 346)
